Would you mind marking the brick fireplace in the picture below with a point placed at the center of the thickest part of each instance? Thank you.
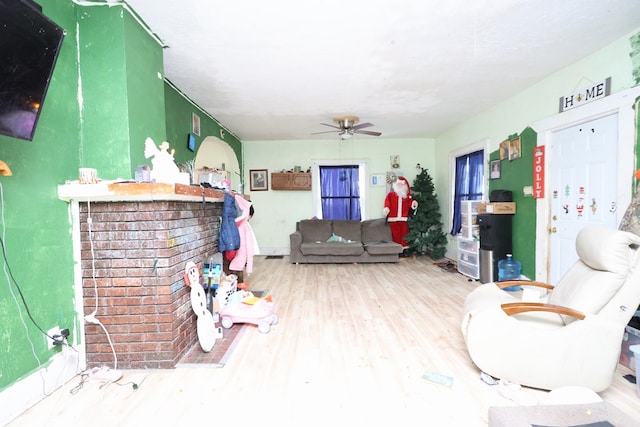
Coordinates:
(133, 253)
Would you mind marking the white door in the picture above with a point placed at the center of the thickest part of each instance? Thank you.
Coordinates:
(583, 186)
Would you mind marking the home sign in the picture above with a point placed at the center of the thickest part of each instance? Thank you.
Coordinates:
(584, 96)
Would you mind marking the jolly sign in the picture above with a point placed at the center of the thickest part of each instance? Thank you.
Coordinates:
(538, 172)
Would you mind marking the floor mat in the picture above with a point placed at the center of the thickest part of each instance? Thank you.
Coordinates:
(221, 352)
(222, 349)
(448, 266)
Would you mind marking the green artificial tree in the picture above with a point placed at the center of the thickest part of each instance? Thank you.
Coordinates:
(425, 229)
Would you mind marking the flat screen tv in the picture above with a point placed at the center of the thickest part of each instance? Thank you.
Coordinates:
(29, 47)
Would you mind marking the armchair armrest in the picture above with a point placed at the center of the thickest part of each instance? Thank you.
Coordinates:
(510, 283)
(295, 239)
(512, 308)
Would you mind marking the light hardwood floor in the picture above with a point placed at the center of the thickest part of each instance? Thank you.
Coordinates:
(351, 346)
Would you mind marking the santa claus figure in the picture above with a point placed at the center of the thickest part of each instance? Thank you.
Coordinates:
(397, 206)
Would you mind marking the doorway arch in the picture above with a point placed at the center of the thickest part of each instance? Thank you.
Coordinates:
(216, 153)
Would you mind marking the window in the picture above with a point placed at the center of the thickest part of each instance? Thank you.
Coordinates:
(340, 189)
(340, 192)
(469, 180)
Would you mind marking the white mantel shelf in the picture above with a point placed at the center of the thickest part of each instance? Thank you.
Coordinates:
(128, 191)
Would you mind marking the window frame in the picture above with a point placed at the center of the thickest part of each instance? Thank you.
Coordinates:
(363, 173)
(453, 155)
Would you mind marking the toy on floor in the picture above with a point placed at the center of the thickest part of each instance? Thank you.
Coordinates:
(244, 307)
(206, 328)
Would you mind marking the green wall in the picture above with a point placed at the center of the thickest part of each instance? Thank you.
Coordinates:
(35, 224)
(179, 111)
(107, 95)
(123, 97)
(145, 91)
(104, 113)
(514, 176)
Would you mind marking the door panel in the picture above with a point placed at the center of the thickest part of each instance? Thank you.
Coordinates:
(583, 186)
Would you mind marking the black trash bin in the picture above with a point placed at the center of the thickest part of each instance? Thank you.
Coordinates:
(495, 237)
(495, 243)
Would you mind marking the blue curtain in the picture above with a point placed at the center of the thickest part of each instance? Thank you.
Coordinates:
(339, 192)
(468, 184)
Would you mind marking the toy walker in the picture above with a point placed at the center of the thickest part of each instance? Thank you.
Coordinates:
(244, 307)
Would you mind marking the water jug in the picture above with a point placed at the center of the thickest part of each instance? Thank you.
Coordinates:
(509, 269)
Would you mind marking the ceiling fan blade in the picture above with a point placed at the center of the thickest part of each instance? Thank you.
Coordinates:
(368, 132)
(331, 126)
(329, 131)
(362, 125)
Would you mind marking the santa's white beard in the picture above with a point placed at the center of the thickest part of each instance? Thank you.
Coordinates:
(401, 190)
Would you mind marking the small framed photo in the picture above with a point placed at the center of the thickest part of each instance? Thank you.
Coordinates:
(515, 150)
(258, 180)
(378, 180)
(495, 169)
(395, 161)
(504, 150)
(191, 142)
(195, 124)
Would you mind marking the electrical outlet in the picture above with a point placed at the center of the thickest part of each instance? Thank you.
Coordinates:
(51, 333)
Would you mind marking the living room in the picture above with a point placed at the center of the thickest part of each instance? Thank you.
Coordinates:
(108, 134)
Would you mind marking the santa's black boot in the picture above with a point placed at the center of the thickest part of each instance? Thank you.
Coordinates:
(405, 254)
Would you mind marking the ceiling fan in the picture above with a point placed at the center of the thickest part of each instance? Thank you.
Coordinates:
(347, 127)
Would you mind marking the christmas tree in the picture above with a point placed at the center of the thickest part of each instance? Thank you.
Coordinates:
(425, 229)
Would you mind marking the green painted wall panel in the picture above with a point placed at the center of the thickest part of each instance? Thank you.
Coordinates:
(89, 116)
(35, 224)
(145, 90)
(123, 91)
(515, 175)
(179, 111)
(104, 115)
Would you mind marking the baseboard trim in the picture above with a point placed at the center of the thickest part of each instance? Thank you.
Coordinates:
(23, 394)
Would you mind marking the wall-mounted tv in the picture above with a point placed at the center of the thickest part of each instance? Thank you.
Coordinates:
(29, 47)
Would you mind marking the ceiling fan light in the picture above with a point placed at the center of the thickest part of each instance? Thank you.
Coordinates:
(345, 135)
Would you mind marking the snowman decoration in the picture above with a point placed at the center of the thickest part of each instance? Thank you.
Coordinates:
(206, 324)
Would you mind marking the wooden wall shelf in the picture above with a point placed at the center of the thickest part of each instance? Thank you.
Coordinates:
(291, 181)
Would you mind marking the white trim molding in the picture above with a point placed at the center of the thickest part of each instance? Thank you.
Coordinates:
(620, 103)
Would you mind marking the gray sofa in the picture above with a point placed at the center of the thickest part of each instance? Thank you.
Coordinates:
(342, 241)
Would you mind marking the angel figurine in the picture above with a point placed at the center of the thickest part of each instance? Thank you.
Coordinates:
(164, 168)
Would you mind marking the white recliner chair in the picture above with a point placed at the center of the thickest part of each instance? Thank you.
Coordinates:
(573, 335)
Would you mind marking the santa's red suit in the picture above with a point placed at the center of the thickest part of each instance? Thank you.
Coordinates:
(397, 206)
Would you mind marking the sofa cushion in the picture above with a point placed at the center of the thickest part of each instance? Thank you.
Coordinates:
(375, 230)
(315, 230)
(347, 229)
(383, 248)
(332, 248)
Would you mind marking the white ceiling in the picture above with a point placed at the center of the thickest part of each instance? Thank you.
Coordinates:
(275, 70)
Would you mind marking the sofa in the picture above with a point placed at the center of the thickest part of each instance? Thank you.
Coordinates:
(317, 241)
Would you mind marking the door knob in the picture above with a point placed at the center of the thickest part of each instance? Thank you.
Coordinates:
(553, 230)
(555, 217)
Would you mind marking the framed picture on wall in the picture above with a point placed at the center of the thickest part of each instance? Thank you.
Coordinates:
(395, 161)
(195, 124)
(504, 150)
(258, 180)
(515, 150)
(495, 169)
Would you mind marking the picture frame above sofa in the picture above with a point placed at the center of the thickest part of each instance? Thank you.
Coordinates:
(258, 180)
